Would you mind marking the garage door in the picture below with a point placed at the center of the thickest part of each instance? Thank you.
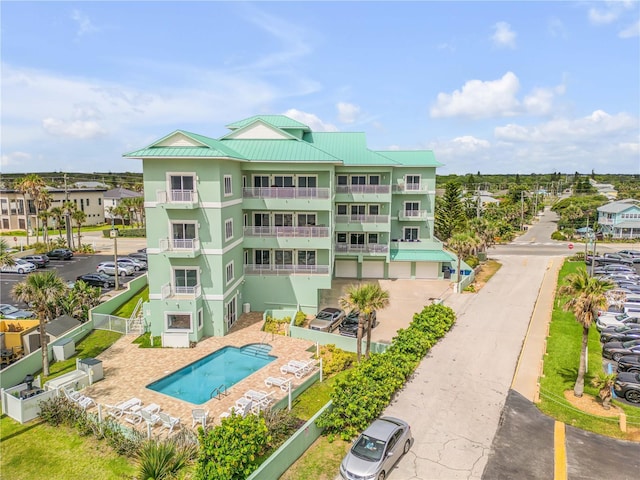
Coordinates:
(400, 270)
(346, 269)
(373, 269)
(427, 269)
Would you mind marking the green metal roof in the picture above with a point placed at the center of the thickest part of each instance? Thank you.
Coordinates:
(412, 158)
(350, 147)
(278, 121)
(279, 151)
(420, 256)
(210, 148)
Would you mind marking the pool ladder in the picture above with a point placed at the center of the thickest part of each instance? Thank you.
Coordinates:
(219, 392)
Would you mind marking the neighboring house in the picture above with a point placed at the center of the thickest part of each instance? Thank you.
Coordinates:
(112, 199)
(54, 329)
(267, 215)
(605, 189)
(14, 217)
(620, 219)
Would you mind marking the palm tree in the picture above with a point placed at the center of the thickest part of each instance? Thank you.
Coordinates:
(68, 208)
(604, 383)
(57, 213)
(464, 244)
(79, 217)
(6, 259)
(80, 299)
(43, 202)
(587, 296)
(367, 298)
(31, 185)
(44, 216)
(41, 290)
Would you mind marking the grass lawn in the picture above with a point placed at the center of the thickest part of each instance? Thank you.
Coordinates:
(126, 310)
(561, 370)
(320, 462)
(37, 450)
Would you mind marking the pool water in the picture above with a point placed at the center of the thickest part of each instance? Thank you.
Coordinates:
(227, 366)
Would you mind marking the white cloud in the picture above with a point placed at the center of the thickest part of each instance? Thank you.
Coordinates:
(84, 23)
(610, 11)
(602, 17)
(478, 99)
(632, 30)
(556, 28)
(81, 129)
(503, 36)
(348, 112)
(14, 158)
(311, 120)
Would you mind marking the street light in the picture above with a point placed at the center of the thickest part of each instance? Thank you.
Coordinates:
(114, 234)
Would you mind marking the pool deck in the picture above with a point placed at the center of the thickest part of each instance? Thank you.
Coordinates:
(128, 369)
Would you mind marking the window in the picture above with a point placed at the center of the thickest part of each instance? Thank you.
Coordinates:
(183, 234)
(411, 209)
(341, 209)
(246, 257)
(306, 257)
(261, 219)
(263, 257)
(306, 219)
(283, 180)
(185, 280)
(182, 188)
(178, 321)
(200, 321)
(374, 209)
(357, 210)
(229, 269)
(245, 220)
(99, 201)
(228, 229)
(341, 238)
(231, 310)
(283, 219)
(284, 257)
(82, 204)
(356, 239)
(373, 238)
(342, 180)
(261, 181)
(412, 182)
(358, 179)
(4, 207)
(411, 234)
(307, 182)
(227, 186)
(87, 202)
(374, 179)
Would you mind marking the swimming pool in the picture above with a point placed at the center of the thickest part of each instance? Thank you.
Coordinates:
(227, 366)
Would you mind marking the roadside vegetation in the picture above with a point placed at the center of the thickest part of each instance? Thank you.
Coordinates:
(561, 365)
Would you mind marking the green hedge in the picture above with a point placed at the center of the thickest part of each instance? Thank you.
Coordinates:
(127, 232)
(363, 393)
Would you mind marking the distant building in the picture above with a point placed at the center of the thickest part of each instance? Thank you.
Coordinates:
(113, 198)
(90, 185)
(620, 219)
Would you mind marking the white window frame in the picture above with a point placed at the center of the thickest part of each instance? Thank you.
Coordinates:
(374, 176)
(406, 180)
(247, 257)
(404, 233)
(173, 274)
(346, 179)
(167, 328)
(233, 302)
(315, 256)
(346, 208)
(181, 174)
(200, 316)
(298, 177)
(228, 229)
(228, 182)
(229, 272)
(182, 222)
(411, 202)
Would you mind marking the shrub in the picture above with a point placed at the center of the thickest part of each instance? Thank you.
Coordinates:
(276, 326)
(299, 319)
(230, 450)
(127, 232)
(40, 247)
(557, 235)
(162, 460)
(86, 248)
(472, 261)
(280, 424)
(335, 360)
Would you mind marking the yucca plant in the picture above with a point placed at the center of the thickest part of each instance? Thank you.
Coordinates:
(604, 383)
(161, 460)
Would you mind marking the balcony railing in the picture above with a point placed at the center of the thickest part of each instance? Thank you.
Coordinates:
(280, 232)
(366, 189)
(267, 269)
(354, 248)
(168, 291)
(177, 196)
(285, 192)
(362, 218)
(410, 188)
(179, 245)
(412, 214)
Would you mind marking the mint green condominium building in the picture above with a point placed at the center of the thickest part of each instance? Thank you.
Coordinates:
(269, 214)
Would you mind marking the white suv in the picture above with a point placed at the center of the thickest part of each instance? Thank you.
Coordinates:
(110, 269)
(134, 262)
(20, 266)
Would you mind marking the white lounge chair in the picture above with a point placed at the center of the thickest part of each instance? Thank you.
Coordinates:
(241, 410)
(121, 408)
(281, 382)
(307, 365)
(261, 399)
(168, 421)
(78, 398)
(134, 414)
(150, 418)
(299, 369)
(199, 415)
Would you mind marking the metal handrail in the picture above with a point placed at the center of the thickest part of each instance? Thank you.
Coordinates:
(219, 391)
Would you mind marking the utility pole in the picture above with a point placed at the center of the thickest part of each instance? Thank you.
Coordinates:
(67, 217)
(114, 234)
(478, 201)
(522, 210)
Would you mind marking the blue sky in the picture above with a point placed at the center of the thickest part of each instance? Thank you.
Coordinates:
(495, 87)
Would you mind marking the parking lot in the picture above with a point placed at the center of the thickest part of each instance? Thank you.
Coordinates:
(67, 269)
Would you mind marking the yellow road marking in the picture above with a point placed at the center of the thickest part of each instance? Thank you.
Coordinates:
(560, 452)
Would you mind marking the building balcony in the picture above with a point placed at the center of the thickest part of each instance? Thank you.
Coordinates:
(415, 215)
(180, 199)
(371, 248)
(284, 270)
(411, 188)
(286, 193)
(183, 248)
(287, 232)
(173, 291)
(362, 218)
(417, 244)
(364, 189)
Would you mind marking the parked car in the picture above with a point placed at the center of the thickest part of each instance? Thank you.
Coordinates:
(616, 267)
(39, 261)
(135, 263)
(110, 269)
(617, 350)
(627, 386)
(19, 266)
(97, 280)
(629, 363)
(622, 334)
(349, 326)
(377, 450)
(630, 253)
(14, 313)
(605, 322)
(632, 258)
(138, 255)
(327, 319)
(60, 254)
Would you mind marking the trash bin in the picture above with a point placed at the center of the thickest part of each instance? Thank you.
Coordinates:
(92, 364)
(246, 307)
(63, 349)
